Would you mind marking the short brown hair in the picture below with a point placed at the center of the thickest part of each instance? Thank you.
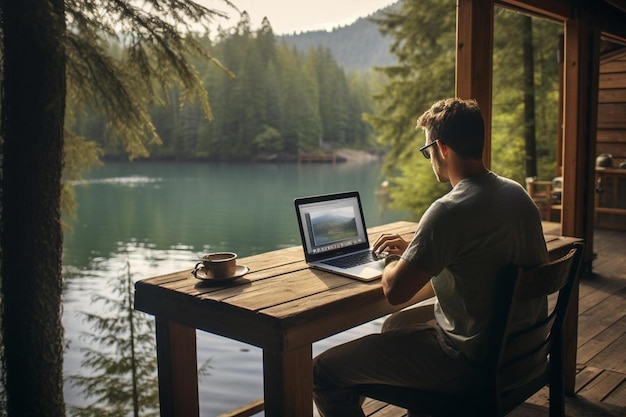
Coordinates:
(457, 123)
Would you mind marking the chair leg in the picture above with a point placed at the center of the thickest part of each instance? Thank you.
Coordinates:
(413, 414)
(557, 398)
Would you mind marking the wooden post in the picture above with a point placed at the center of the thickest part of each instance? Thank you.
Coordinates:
(580, 98)
(279, 368)
(474, 58)
(580, 115)
(178, 373)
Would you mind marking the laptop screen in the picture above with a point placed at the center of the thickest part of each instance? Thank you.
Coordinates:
(331, 225)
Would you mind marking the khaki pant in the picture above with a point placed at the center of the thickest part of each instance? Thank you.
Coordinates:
(410, 351)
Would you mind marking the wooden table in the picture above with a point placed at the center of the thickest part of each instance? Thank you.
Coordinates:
(281, 306)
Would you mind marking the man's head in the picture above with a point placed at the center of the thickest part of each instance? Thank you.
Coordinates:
(458, 124)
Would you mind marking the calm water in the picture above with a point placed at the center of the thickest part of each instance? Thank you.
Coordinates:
(149, 219)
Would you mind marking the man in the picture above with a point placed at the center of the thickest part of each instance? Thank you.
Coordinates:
(461, 245)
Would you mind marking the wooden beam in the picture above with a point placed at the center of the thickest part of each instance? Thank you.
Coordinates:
(620, 4)
(607, 15)
(474, 58)
(555, 9)
(610, 20)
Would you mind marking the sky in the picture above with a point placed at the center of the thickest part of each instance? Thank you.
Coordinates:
(289, 16)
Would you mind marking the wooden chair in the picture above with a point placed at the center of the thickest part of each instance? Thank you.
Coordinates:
(546, 195)
(536, 352)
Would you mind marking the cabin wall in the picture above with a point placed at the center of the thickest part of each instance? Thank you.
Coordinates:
(611, 136)
(611, 139)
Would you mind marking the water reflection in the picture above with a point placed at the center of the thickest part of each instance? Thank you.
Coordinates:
(118, 371)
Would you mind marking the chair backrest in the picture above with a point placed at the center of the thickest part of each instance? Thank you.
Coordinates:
(521, 363)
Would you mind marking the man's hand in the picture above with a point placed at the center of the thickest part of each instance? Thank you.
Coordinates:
(391, 244)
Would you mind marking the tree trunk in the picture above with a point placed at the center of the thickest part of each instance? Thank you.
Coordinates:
(33, 106)
(529, 97)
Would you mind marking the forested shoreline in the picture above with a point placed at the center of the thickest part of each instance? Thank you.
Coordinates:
(272, 103)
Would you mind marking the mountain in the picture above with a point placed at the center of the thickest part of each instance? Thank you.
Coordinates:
(358, 46)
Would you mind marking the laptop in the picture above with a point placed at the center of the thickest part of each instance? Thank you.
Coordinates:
(334, 236)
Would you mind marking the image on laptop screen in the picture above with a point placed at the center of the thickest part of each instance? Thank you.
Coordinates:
(332, 225)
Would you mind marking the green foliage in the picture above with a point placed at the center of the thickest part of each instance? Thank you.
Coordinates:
(508, 152)
(424, 34)
(306, 97)
(425, 46)
(269, 141)
(122, 378)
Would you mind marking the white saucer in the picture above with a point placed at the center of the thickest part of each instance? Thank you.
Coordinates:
(205, 275)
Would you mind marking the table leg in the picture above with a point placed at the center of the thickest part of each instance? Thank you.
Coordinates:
(177, 365)
(288, 382)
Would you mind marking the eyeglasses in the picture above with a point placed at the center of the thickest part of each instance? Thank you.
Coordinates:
(424, 148)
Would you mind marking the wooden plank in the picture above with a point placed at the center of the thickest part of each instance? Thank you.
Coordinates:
(593, 321)
(593, 292)
(618, 65)
(583, 407)
(611, 135)
(616, 149)
(294, 286)
(612, 80)
(529, 410)
(601, 386)
(612, 115)
(246, 410)
(611, 210)
(613, 358)
(611, 95)
(552, 228)
(595, 346)
(372, 406)
(555, 9)
(618, 396)
(389, 411)
(326, 317)
(585, 376)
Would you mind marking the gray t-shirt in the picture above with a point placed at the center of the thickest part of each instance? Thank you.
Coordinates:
(464, 240)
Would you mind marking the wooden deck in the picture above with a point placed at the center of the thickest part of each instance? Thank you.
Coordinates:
(601, 376)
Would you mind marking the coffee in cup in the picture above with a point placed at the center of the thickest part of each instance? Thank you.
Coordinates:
(219, 264)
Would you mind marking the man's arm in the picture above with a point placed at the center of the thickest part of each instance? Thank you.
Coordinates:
(402, 281)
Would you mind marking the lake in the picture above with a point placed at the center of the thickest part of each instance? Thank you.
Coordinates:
(143, 219)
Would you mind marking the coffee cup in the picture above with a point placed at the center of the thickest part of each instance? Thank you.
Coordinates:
(219, 264)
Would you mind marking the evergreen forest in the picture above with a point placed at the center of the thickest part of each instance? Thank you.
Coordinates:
(272, 102)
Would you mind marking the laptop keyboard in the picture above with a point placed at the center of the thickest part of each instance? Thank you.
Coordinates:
(355, 259)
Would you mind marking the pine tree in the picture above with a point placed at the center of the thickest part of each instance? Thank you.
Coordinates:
(424, 44)
(119, 372)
